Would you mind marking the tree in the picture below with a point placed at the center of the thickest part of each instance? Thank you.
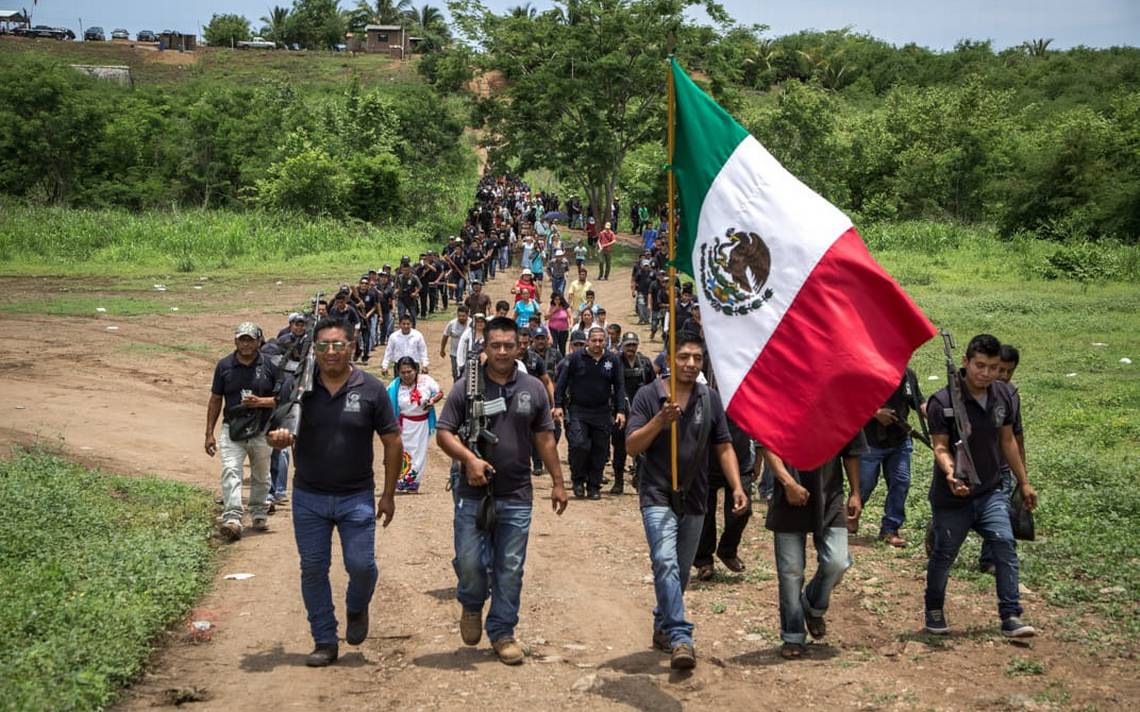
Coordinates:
(384, 12)
(428, 19)
(525, 11)
(276, 25)
(585, 84)
(316, 24)
(1038, 47)
(225, 30)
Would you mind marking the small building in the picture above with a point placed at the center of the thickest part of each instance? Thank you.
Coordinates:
(172, 40)
(8, 18)
(392, 40)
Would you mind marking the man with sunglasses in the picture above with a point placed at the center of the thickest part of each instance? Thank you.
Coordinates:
(334, 485)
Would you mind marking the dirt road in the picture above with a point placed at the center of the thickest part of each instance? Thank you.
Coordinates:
(133, 399)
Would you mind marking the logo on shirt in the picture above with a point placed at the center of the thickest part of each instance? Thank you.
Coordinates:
(523, 404)
(999, 415)
(698, 414)
(734, 269)
(607, 366)
(352, 403)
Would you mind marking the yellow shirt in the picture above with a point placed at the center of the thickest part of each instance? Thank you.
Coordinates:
(576, 293)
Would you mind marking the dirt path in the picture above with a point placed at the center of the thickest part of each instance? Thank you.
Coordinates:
(129, 399)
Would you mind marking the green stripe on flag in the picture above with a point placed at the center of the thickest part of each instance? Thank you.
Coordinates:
(704, 140)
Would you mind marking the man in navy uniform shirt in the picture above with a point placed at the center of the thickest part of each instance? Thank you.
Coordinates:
(334, 486)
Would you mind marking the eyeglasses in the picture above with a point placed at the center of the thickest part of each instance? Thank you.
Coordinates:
(336, 346)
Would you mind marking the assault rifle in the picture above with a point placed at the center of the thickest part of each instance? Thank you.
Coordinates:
(475, 434)
(290, 411)
(964, 470)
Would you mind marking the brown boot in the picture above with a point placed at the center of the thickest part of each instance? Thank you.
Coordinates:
(471, 627)
(509, 652)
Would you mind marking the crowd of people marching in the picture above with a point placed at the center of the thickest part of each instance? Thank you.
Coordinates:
(554, 363)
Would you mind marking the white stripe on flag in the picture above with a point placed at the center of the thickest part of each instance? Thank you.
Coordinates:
(754, 193)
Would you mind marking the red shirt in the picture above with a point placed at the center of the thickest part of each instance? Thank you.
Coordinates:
(521, 286)
(606, 240)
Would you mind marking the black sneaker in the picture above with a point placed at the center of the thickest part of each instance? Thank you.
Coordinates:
(936, 623)
(1012, 627)
(323, 655)
(594, 494)
(357, 629)
(579, 491)
(618, 488)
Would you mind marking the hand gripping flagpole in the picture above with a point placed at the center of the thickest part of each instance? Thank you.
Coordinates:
(675, 493)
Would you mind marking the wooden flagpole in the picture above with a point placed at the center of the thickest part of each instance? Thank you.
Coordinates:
(672, 356)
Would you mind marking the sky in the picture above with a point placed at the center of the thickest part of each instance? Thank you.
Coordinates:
(937, 24)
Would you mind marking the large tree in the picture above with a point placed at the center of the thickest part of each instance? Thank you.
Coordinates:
(276, 25)
(225, 30)
(585, 83)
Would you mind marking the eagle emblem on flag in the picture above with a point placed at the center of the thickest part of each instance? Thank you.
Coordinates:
(734, 270)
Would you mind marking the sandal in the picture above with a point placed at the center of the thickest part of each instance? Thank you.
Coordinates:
(791, 651)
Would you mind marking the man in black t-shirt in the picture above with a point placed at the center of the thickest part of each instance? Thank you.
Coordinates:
(519, 414)
(408, 288)
(812, 502)
(955, 507)
(242, 393)
(889, 448)
(702, 432)
(334, 486)
(636, 371)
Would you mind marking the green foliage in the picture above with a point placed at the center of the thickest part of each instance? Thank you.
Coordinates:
(448, 69)
(316, 24)
(308, 180)
(226, 30)
(93, 567)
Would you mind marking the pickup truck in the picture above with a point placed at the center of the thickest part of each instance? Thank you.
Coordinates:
(94, 34)
(45, 32)
(256, 43)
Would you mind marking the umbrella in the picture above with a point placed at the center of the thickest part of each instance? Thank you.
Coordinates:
(556, 215)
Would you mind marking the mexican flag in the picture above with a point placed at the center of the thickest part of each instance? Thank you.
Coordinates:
(808, 335)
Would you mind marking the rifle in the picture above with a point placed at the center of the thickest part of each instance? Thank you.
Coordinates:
(289, 413)
(924, 436)
(964, 470)
(475, 434)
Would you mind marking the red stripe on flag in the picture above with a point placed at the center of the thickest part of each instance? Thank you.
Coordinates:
(833, 360)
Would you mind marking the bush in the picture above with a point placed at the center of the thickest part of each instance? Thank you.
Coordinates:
(310, 182)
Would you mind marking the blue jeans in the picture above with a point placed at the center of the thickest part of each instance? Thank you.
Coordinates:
(988, 515)
(558, 285)
(894, 462)
(279, 474)
(832, 559)
(986, 559)
(354, 516)
(491, 565)
(672, 547)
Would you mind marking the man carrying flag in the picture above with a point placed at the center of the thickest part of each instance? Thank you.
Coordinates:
(803, 326)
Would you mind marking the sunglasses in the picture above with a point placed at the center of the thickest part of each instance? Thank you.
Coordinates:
(336, 346)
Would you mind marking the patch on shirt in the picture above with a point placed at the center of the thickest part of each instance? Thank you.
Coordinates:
(698, 414)
(523, 405)
(607, 366)
(999, 415)
(352, 403)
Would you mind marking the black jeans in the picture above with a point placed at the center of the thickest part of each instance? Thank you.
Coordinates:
(733, 523)
(617, 441)
(407, 307)
(588, 435)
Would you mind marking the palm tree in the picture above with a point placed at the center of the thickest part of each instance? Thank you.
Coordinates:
(384, 12)
(1038, 47)
(276, 23)
(525, 11)
(428, 20)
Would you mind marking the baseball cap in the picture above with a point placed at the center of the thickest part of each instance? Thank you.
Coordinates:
(540, 331)
(481, 315)
(527, 271)
(630, 338)
(247, 328)
(577, 337)
(476, 281)
(296, 316)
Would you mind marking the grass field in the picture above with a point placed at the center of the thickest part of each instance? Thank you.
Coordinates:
(93, 568)
(308, 70)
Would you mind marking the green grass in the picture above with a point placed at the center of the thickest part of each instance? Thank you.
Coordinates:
(308, 71)
(93, 567)
(90, 305)
(38, 240)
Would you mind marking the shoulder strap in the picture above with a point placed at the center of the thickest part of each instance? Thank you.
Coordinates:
(706, 419)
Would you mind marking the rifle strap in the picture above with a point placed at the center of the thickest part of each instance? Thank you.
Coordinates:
(690, 468)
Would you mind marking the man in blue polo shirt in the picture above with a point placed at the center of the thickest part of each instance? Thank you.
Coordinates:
(334, 486)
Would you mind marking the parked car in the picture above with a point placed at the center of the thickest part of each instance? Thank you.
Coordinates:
(120, 34)
(94, 34)
(44, 31)
(146, 36)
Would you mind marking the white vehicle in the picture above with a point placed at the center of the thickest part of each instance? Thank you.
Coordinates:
(256, 43)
